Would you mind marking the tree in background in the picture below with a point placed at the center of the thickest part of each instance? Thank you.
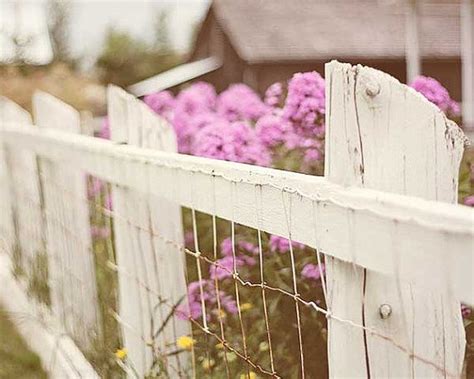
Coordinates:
(58, 16)
(126, 59)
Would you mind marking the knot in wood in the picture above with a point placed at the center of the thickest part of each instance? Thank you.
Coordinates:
(385, 311)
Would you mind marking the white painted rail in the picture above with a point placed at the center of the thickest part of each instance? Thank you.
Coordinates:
(426, 228)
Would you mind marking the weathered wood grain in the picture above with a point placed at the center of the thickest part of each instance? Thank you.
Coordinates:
(140, 250)
(69, 243)
(385, 136)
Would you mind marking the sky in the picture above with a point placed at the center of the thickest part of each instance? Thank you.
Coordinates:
(90, 19)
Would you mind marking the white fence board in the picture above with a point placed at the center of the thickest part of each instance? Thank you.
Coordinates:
(60, 358)
(159, 265)
(25, 191)
(385, 136)
(425, 228)
(9, 112)
(69, 244)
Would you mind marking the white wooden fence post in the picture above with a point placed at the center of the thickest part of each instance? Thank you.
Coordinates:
(9, 112)
(383, 135)
(143, 225)
(25, 190)
(68, 238)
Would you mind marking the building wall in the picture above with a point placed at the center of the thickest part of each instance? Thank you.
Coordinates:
(213, 41)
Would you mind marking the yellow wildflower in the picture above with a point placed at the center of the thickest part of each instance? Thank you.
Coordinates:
(246, 306)
(207, 364)
(249, 375)
(185, 342)
(121, 353)
(221, 314)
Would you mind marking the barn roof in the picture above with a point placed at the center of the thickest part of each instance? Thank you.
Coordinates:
(294, 30)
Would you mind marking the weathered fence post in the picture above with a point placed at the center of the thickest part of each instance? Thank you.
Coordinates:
(150, 268)
(9, 112)
(24, 192)
(383, 135)
(68, 239)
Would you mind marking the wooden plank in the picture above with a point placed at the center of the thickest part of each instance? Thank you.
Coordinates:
(69, 243)
(467, 52)
(25, 192)
(59, 356)
(383, 135)
(425, 227)
(9, 112)
(158, 265)
(412, 39)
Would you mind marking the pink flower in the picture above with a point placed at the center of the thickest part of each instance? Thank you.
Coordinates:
(197, 99)
(235, 142)
(94, 188)
(273, 94)
(305, 102)
(312, 271)
(437, 94)
(239, 102)
(194, 309)
(282, 244)
(226, 246)
(105, 129)
(272, 129)
(469, 201)
(161, 103)
(312, 155)
(224, 267)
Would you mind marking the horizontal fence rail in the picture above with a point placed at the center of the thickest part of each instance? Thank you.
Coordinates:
(415, 238)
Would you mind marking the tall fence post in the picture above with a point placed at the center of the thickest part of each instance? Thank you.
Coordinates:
(71, 269)
(383, 135)
(25, 194)
(9, 112)
(150, 269)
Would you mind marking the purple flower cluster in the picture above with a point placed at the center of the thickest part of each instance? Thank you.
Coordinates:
(469, 201)
(198, 99)
(437, 94)
(305, 103)
(240, 102)
(236, 142)
(312, 271)
(224, 267)
(193, 308)
(282, 244)
(162, 103)
(273, 95)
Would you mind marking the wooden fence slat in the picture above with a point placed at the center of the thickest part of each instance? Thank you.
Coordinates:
(158, 265)
(69, 243)
(385, 136)
(25, 191)
(9, 112)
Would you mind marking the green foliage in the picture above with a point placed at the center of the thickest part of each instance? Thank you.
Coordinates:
(16, 360)
(38, 279)
(126, 59)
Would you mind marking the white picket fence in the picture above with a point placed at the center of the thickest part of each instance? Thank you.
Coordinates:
(384, 216)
